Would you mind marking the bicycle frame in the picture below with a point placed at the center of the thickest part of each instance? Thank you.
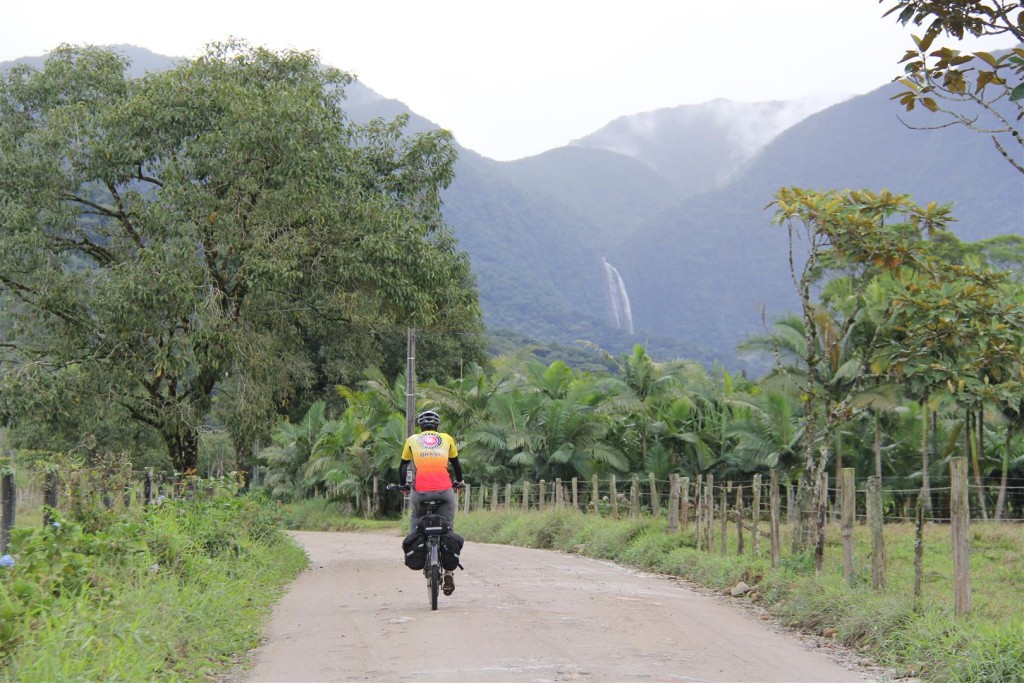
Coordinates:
(432, 569)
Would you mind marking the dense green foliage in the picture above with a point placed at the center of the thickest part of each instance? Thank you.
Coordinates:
(908, 339)
(898, 309)
(171, 592)
(216, 229)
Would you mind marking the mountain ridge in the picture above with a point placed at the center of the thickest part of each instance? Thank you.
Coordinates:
(701, 264)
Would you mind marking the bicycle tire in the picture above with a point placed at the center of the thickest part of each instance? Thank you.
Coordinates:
(434, 574)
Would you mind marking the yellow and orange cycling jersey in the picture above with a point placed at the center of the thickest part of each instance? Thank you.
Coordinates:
(430, 452)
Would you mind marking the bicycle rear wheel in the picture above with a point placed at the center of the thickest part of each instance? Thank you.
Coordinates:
(433, 574)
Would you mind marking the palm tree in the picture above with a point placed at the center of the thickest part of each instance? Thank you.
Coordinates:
(574, 433)
(290, 452)
(636, 393)
(505, 444)
(766, 434)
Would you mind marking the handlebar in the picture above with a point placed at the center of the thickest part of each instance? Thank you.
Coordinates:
(458, 486)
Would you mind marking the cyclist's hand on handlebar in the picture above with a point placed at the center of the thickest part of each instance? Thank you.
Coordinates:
(397, 487)
(459, 485)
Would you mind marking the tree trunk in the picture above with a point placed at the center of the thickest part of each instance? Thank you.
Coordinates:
(977, 444)
(929, 456)
(806, 499)
(1001, 499)
(808, 490)
(183, 448)
(925, 494)
(878, 446)
(839, 470)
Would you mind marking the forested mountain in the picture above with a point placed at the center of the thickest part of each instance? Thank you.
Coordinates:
(703, 270)
(700, 261)
(723, 262)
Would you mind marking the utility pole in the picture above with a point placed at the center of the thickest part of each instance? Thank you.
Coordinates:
(410, 383)
(410, 395)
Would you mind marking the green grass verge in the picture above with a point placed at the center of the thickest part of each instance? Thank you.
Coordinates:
(177, 591)
(928, 640)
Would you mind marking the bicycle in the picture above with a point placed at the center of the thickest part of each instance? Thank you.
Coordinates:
(432, 569)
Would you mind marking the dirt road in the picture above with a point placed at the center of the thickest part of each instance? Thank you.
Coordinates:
(517, 615)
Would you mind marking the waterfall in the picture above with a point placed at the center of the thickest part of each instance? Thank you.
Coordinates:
(618, 300)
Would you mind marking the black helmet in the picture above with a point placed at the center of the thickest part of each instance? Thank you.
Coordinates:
(428, 420)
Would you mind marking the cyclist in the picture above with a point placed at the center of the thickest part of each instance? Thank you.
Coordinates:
(430, 452)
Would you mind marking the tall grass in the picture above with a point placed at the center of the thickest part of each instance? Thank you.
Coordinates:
(171, 592)
(928, 640)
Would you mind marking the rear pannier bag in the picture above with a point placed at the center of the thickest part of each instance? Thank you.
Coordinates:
(433, 525)
(415, 548)
(451, 548)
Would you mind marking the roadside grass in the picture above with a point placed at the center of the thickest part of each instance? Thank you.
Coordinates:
(181, 590)
(319, 514)
(174, 592)
(921, 638)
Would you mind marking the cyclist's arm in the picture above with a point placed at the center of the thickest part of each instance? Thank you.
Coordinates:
(402, 470)
(456, 468)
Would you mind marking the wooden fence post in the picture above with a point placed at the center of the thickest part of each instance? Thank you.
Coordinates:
(575, 495)
(874, 510)
(723, 508)
(846, 512)
(684, 504)
(819, 546)
(773, 512)
(634, 497)
(508, 496)
(755, 514)
(791, 510)
(467, 492)
(147, 487)
(8, 494)
(541, 486)
(959, 513)
(739, 520)
(673, 503)
(559, 498)
(655, 501)
(613, 496)
(595, 495)
(376, 495)
(698, 502)
(709, 517)
(494, 497)
(526, 495)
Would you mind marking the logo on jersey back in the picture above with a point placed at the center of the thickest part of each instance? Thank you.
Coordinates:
(429, 441)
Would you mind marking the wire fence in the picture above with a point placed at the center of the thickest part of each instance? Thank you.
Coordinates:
(613, 492)
(28, 493)
(709, 510)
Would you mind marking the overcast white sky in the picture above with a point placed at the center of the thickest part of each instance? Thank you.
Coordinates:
(512, 79)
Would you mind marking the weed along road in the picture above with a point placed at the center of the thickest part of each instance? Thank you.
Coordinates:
(357, 614)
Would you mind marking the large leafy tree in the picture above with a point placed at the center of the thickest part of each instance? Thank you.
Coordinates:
(958, 329)
(980, 91)
(854, 237)
(219, 227)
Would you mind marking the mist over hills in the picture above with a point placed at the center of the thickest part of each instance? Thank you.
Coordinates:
(731, 134)
(728, 265)
(675, 201)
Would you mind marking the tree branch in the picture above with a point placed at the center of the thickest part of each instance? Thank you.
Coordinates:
(122, 215)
